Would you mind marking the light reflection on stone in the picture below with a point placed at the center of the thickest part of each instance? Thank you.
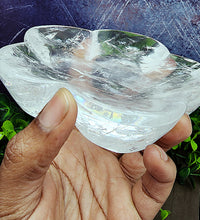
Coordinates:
(130, 90)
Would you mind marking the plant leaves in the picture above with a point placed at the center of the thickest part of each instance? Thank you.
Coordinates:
(196, 135)
(194, 168)
(8, 129)
(20, 124)
(12, 120)
(183, 174)
(198, 159)
(4, 107)
(1, 135)
(188, 139)
(164, 213)
(175, 147)
(187, 155)
(194, 145)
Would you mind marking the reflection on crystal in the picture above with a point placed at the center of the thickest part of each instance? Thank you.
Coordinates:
(130, 90)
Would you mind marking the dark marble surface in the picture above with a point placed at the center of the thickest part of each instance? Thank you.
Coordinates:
(176, 23)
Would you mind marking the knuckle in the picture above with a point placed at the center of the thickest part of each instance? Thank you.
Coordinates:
(19, 157)
(152, 195)
(134, 170)
(132, 178)
(23, 155)
(18, 147)
(13, 151)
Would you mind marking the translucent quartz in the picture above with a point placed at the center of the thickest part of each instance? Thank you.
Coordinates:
(130, 90)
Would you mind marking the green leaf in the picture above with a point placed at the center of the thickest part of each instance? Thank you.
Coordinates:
(196, 135)
(12, 119)
(1, 135)
(20, 124)
(11, 135)
(190, 158)
(181, 156)
(175, 147)
(194, 145)
(183, 174)
(164, 213)
(194, 168)
(198, 159)
(188, 139)
(7, 126)
(8, 129)
(4, 107)
(195, 157)
(194, 119)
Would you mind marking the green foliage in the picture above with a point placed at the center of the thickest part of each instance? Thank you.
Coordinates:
(12, 120)
(186, 155)
(164, 214)
(8, 130)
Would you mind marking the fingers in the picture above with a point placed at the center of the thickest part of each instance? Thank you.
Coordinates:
(132, 165)
(179, 133)
(152, 190)
(29, 153)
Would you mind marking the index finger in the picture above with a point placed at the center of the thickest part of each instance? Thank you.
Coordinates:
(177, 134)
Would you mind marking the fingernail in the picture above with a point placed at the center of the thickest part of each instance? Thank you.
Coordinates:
(163, 155)
(55, 110)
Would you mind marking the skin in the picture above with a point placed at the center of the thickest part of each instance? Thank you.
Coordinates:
(50, 171)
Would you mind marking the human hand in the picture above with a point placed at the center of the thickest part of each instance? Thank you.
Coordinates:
(50, 171)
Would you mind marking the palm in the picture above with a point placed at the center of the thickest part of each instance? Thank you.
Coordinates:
(85, 182)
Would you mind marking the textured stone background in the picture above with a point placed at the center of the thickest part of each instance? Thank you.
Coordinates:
(176, 23)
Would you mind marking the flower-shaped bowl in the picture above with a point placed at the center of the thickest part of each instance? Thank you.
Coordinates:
(129, 89)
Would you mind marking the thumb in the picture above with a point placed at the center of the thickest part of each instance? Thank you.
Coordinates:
(152, 190)
(30, 153)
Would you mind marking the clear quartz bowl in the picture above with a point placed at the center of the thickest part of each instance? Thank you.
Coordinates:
(129, 89)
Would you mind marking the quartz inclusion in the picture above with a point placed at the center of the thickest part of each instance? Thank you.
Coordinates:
(129, 89)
